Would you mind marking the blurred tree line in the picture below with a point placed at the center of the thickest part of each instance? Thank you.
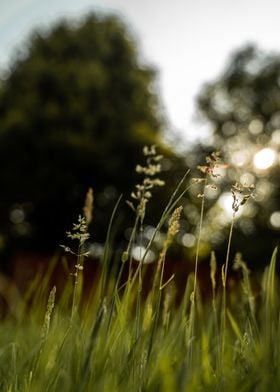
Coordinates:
(76, 109)
(242, 109)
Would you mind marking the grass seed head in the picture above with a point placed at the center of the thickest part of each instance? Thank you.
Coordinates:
(213, 270)
(174, 224)
(212, 162)
(88, 206)
(47, 320)
(143, 191)
(241, 193)
(79, 231)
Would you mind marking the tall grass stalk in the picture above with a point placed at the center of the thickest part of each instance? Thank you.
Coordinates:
(158, 285)
(80, 233)
(240, 264)
(224, 296)
(271, 301)
(208, 171)
(240, 195)
(107, 252)
(175, 198)
(193, 294)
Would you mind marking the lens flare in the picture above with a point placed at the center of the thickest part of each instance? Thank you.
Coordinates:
(264, 159)
(275, 219)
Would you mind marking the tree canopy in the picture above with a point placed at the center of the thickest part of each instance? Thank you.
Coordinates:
(242, 108)
(75, 111)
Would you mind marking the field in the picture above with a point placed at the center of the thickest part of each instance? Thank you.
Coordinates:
(124, 338)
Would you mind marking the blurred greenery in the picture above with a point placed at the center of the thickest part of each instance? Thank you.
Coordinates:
(76, 109)
(242, 109)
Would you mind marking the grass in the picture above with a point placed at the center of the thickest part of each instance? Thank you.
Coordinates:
(120, 339)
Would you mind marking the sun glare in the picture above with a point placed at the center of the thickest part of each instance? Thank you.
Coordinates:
(225, 202)
(264, 159)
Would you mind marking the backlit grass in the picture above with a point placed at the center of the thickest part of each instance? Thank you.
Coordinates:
(119, 338)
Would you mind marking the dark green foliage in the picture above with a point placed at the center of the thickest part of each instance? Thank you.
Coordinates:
(75, 112)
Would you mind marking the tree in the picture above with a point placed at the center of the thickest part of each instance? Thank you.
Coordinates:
(75, 111)
(242, 108)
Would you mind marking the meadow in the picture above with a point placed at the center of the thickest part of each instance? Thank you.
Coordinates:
(120, 337)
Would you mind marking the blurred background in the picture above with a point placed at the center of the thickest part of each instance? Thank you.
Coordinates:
(85, 85)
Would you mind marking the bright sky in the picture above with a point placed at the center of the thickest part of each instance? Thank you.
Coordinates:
(187, 41)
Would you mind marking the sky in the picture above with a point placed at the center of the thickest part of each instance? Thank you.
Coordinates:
(187, 41)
